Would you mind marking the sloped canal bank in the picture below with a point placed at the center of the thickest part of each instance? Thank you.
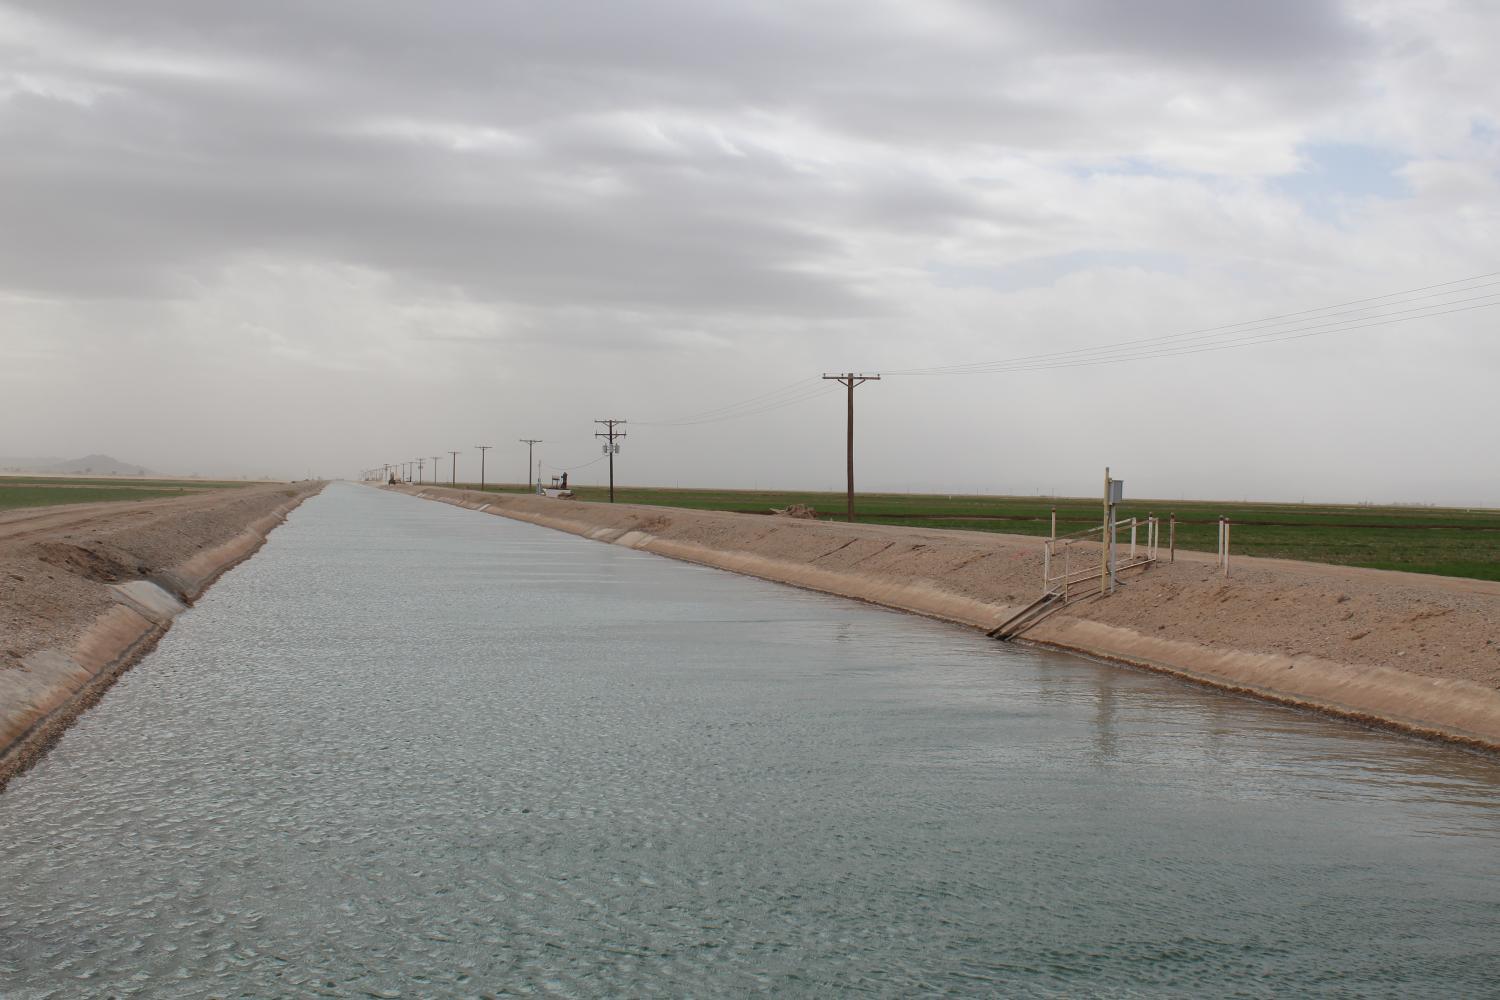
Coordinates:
(410, 750)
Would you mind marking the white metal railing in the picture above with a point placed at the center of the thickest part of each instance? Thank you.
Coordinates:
(1060, 554)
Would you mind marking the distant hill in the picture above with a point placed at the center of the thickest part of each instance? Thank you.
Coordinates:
(88, 465)
(97, 465)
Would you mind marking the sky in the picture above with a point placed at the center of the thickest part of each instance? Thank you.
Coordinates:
(302, 239)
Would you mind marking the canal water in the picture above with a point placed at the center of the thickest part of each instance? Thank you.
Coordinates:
(410, 750)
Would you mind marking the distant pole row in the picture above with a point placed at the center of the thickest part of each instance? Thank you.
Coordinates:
(414, 469)
(612, 433)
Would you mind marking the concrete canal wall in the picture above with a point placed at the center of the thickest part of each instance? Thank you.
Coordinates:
(88, 590)
(1400, 650)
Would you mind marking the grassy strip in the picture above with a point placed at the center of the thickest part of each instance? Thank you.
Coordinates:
(16, 497)
(125, 483)
(1436, 540)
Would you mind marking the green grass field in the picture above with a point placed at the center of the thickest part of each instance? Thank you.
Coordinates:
(47, 491)
(1443, 541)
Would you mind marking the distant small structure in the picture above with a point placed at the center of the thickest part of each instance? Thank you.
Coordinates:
(798, 510)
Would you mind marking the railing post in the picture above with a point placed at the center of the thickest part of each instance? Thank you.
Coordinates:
(1132, 538)
(1172, 537)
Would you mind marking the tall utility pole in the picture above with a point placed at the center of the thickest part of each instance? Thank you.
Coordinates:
(850, 379)
(421, 463)
(435, 460)
(529, 443)
(610, 448)
(482, 449)
(455, 467)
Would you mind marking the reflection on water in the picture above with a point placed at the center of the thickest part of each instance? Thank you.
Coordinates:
(411, 751)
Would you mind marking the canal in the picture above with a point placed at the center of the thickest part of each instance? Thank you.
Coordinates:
(410, 750)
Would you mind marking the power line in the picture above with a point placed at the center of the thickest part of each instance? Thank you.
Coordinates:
(821, 391)
(783, 395)
(1178, 350)
(1219, 333)
(575, 468)
(1272, 329)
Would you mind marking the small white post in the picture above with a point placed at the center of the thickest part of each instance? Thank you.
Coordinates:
(1132, 538)
(1054, 524)
(1046, 565)
(1067, 562)
(1226, 546)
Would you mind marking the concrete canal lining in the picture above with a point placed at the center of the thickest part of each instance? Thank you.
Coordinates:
(87, 628)
(1398, 650)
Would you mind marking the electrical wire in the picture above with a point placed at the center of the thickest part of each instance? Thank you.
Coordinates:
(1359, 314)
(780, 404)
(575, 468)
(792, 392)
(1266, 330)
(1204, 349)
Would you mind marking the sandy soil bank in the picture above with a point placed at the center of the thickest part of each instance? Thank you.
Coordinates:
(87, 589)
(1414, 652)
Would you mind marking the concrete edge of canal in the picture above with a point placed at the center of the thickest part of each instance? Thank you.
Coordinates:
(52, 686)
(931, 573)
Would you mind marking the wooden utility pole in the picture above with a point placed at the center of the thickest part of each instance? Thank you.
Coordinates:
(435, 460)
(482, 449)
(610, 448)
(850, 380)
(454, 481)
(530, 443)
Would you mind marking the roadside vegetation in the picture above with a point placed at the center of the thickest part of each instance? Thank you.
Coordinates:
(1438, 540)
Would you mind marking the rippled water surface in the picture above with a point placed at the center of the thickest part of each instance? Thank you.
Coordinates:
(410, 750)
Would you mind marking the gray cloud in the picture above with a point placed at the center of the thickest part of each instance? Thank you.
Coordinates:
(363, 197)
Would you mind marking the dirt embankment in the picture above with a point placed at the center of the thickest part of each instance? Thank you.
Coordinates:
(87, 589)
(1419, 653)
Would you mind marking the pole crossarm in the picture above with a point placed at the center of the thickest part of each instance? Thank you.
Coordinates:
(857, 379)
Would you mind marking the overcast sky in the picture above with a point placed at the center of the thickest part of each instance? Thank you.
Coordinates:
(303, 238)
